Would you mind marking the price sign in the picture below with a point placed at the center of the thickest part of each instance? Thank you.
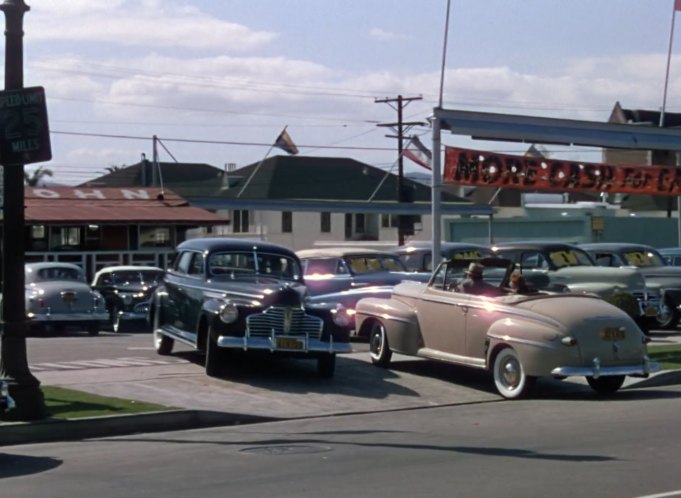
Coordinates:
(24, 130)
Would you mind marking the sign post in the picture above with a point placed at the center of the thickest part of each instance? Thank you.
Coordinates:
(23, 127)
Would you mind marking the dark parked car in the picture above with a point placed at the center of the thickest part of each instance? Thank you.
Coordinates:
(569, 266)
(127, 291)
(335, 269)
(664, 278)
(6, 401)
(244, 295)
(418, 256)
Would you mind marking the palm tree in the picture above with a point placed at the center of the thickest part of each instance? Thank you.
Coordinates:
(33, 178)
(113, 168)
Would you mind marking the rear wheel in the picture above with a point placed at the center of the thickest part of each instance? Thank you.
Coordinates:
(379, 350)
(509, 376)
(669, 319)
(326, 365)
(606, 385)
(162, 343)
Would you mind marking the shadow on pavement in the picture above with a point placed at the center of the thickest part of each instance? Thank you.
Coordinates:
(20, 465)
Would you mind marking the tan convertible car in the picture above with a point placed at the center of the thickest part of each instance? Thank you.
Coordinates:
(518, 336)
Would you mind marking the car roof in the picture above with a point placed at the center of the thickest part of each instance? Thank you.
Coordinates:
(110, 269)
(339, 252)
(615, 246)
(39, 265)
(444, 246)
(536, 245)
(211, 244)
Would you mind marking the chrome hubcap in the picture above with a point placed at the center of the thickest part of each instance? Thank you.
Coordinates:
(510, 373)
(377, 343)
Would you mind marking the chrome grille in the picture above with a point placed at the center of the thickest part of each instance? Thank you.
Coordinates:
(271, 321)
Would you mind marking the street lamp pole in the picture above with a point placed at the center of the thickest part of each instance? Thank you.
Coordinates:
(23, 386)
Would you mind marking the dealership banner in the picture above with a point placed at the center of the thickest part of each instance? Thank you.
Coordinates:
(488, 169)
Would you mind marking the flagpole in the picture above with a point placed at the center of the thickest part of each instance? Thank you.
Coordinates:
(255, 170)
(669, 58)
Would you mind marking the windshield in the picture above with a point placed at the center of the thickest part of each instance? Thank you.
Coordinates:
(571, 257)
(642, 258)
(59, 273)
(371, 263)
(240, 264)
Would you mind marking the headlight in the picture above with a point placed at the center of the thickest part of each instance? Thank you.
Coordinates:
(342, 316)
(229, 313)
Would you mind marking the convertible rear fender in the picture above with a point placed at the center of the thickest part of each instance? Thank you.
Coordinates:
(399, 320)
(537, 345)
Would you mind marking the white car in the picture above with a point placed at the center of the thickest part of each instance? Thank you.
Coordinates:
(58, 296)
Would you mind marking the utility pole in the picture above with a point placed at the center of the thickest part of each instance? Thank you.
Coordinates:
(23, 386)
(399, 103)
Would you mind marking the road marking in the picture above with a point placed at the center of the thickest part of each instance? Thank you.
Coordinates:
(105, 363)
(664, 495)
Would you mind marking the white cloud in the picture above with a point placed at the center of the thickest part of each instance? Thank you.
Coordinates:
(150, 23)
(383, 35)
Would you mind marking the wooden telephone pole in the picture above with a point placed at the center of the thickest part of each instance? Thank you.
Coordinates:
(401, 128)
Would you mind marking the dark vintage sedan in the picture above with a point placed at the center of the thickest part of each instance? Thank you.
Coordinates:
(225, 294)
(664, 278)
(335, 269)
(418, 256)
(127, 291)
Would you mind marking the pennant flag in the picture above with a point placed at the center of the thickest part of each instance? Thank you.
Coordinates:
(418, 153)
(285, 143)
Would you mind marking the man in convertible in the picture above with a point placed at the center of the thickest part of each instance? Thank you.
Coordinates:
(474, 284)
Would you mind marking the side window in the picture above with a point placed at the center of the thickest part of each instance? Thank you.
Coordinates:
(182, 262)
(532, 260)
(196, 266)
(604, 259)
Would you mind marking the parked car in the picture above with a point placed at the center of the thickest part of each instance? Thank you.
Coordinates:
(517, 337)
(418, 256)
(335, 269)
(570, 267)
(232, 294)
(666, 279)
(671, 255)
(127, 291)
(58, 296)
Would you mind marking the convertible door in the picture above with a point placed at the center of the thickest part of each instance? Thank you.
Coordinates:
(442, 319)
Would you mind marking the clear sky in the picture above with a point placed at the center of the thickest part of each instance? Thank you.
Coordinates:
(233, 73)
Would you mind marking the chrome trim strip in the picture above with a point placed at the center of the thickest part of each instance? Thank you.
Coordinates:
(453, 358)
(641, 370)
(526, 342)
(384, 316)
(69, 317)
(266, 343)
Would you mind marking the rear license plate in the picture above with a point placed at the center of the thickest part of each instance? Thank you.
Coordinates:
(651, 311)
(612, 334)
(289, 343)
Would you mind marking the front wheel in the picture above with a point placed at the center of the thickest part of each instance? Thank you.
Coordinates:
(509, 376)
(669, 320)
(214, 356)
(379, 350)
(606, 385)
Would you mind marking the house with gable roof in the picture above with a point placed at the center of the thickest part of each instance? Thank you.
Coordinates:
(302, 201)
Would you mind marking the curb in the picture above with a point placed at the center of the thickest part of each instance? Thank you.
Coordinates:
(45, 431)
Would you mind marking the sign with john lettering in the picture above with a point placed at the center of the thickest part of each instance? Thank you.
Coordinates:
(24, 130)
(487, 169)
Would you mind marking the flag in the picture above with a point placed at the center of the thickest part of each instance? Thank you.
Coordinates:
(285, 143)
(677, 4)
(418, 153)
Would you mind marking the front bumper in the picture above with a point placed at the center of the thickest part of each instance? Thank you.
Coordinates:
(643, 369)
(282, 343)
(102, 316)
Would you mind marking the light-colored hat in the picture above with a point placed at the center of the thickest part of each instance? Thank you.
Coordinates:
(474, 269)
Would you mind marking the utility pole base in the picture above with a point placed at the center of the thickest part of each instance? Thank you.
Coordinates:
(30, 403)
